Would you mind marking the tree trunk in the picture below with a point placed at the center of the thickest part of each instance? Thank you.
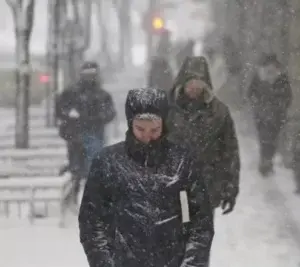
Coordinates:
(104, 49)
(22, 90)
(52, 47)
(54, 23)
(125, 32)
(49, 62)
(87, 14)
(23, 15)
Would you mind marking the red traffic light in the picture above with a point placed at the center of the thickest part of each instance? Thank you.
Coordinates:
(44, 78)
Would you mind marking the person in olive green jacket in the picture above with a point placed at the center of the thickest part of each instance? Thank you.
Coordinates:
(203, 124)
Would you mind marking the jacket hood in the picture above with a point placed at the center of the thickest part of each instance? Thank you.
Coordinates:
(193, 68)
(146, 101)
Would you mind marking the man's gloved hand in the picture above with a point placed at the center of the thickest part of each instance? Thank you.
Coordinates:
(74, 114)
(228, 198)
(227, 205)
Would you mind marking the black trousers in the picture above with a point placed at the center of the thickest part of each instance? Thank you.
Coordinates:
(76, 157)
(268, 134)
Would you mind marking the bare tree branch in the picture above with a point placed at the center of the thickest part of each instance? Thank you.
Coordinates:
(75, 6)
(23, 16)
(87, 23)
(29, 8)
(12, 3)
(117, 4)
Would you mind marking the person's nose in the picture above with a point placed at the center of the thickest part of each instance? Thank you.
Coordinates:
(194, 90)
(146, 138)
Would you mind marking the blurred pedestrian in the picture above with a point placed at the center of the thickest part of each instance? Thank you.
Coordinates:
(270, 96)
(83, 111)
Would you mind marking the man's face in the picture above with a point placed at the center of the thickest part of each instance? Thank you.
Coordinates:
(195, 88)
(146, 130)
(268, 73)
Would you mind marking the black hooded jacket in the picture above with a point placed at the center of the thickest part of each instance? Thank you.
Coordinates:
(134, 212)
(206, 129)
(270, 102)
(94, 105)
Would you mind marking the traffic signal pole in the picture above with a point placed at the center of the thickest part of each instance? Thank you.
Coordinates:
(151, 10)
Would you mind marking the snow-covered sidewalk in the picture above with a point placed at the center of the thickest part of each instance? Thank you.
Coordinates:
(36, 246)
(260, 232)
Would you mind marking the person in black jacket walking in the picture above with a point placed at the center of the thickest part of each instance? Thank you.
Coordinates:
(270, 96)
(143, 205)
(203, 124)
(83, 110)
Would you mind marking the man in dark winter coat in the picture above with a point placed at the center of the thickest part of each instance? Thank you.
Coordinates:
(143, 205)
(270, 96)
(83, 110)
(203, 125)
(160, 74)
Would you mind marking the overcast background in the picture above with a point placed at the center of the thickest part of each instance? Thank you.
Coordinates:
(178, 20)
